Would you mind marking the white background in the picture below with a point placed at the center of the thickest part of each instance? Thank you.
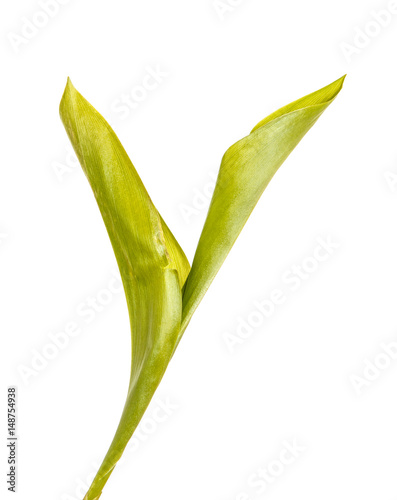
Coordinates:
(291, 379)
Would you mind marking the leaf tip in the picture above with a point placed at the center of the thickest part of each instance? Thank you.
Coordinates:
(339, 83)
(69, 84)
(68, 94)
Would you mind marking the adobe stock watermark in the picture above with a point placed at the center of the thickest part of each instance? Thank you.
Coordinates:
(58, 340)
(133, 98)
(363, 36)
(3, 238)
(163, 409)
(391, 180)
(31, 27)
(225, 7)
(292, 279)
(265, 476)
(63, 169)
(374, 367)
(199, 201)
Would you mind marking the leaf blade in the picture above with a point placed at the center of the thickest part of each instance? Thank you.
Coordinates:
(152, 265)
(246, 169)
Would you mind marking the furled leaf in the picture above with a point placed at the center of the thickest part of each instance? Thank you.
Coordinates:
(152, 265)
(162, 292)
(246, 169)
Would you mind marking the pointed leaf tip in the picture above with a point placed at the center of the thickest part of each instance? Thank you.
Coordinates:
(67, 95)
(320, 98)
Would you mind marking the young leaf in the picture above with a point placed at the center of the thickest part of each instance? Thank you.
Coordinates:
(152, 265)
(246, 169)
(162, 292)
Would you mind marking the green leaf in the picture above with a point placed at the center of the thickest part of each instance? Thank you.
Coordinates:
(152, 265)
(246, 169)
(162, 291)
